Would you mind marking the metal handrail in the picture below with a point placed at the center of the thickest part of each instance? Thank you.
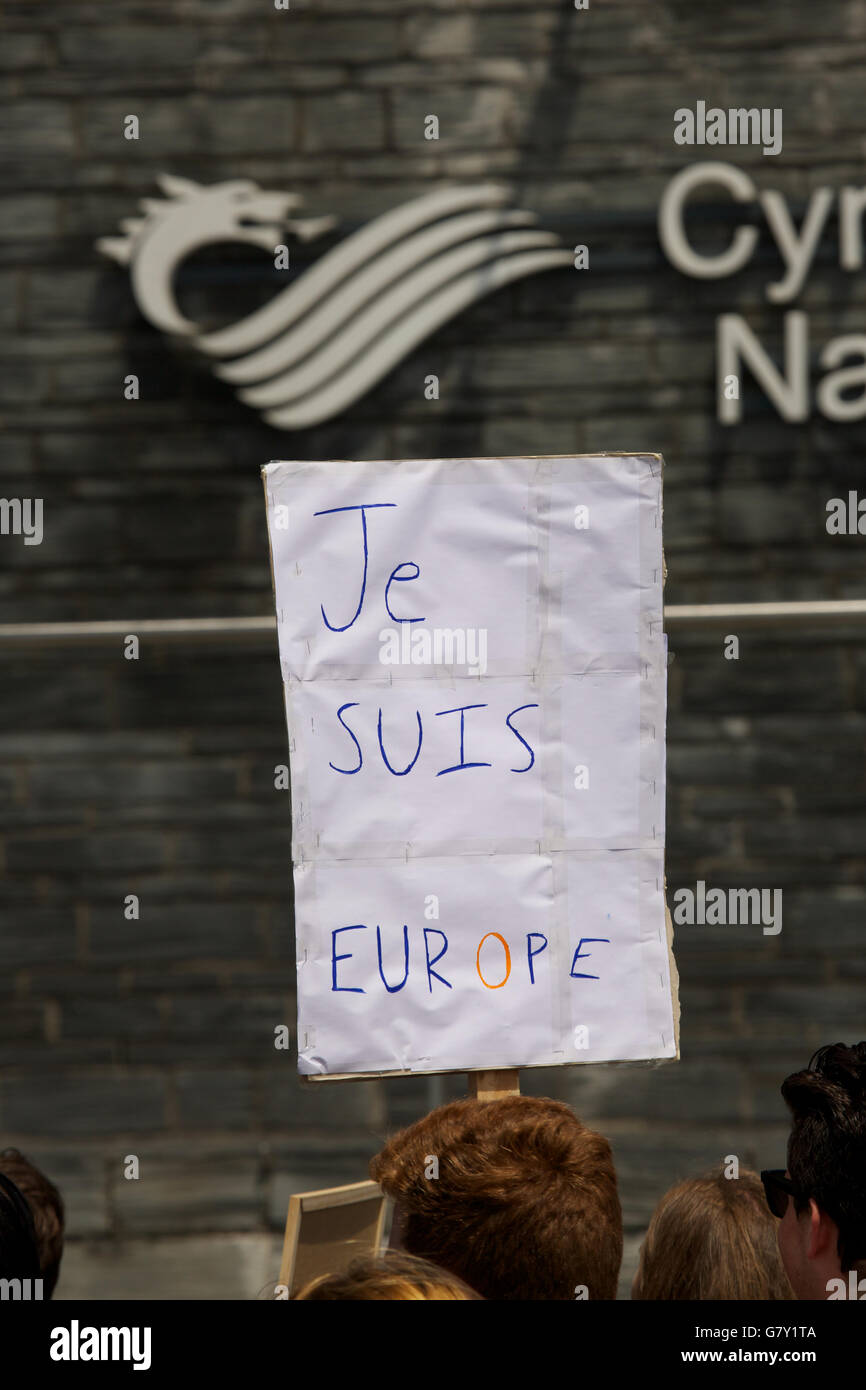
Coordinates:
(708, 617)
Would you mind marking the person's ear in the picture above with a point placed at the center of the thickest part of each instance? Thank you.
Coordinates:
(823, 1231)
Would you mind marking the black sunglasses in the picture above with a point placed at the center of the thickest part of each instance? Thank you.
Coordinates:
(777, 1189)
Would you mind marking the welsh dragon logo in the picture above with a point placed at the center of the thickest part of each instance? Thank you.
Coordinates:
(337, 329)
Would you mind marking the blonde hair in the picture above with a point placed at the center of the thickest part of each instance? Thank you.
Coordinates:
(392, 1276)
(712, 1238)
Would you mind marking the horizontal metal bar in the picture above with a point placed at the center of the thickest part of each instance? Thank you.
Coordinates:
(174, 631)
(811, 614)
(708, 617)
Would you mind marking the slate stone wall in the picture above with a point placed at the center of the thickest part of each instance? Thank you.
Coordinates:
(155, 1037)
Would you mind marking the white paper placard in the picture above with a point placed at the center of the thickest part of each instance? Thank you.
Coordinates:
(475, 676)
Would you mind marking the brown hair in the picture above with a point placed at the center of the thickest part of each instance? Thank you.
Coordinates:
(46, 1206)
(712, 1238)
(395, 1275)
(525, 1204)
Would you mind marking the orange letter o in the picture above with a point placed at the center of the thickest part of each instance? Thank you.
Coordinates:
(507, 960)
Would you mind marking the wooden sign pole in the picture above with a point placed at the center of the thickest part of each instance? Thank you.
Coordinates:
(494, 1085)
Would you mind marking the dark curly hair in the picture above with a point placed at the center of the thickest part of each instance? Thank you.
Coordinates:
(827, 1146)
(46, 1208)
(19, 1252)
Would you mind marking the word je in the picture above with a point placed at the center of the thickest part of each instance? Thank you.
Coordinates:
(395, 577)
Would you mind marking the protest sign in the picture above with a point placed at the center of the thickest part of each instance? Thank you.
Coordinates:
(475, 672)
(325, 1230)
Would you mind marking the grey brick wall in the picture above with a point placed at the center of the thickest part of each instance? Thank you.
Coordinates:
(155, 777)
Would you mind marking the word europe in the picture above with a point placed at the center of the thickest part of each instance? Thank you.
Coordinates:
(536, 945)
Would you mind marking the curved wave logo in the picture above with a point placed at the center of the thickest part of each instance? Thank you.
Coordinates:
(363, 306)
